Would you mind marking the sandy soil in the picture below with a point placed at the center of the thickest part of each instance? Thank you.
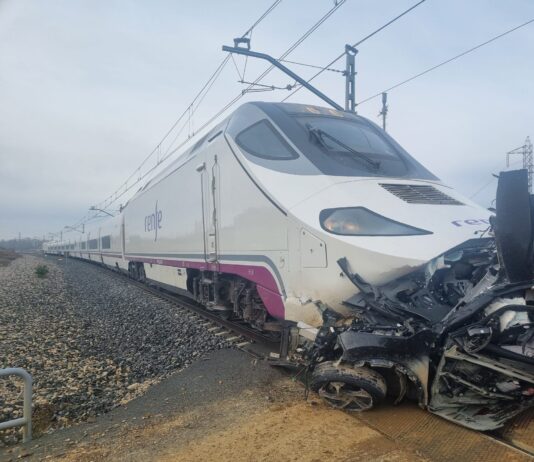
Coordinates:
(260, 425)
(298, 432)
(230, 407)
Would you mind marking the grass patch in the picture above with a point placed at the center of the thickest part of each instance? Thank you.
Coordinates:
(41, 271)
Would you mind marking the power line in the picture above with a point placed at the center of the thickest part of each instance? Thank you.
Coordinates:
(493, 178)
(480, 45)
(324, 68)
(118, 195)
(311, 65)
(261, 18)
(198, 97)
(236, 68)
(484, 186)
(304, 37)
(240, 95)
(158, 146)
(268, 70)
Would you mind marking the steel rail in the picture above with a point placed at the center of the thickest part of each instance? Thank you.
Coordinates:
(183, 303)
(251, 334)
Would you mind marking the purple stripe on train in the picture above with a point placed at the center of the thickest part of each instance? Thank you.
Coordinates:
(266, 283)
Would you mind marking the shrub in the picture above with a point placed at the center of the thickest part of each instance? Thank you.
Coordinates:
(41, 271)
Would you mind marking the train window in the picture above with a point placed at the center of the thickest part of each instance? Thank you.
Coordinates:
(262, 140)
(106, 242)
(353, 145)
(82, 245)
(93, 244)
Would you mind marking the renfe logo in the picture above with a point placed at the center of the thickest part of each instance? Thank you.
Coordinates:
(480, 221)
(153, 222)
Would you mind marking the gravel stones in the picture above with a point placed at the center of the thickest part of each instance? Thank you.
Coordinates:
(91, 341)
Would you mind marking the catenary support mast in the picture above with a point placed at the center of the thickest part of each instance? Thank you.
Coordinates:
(350, 77)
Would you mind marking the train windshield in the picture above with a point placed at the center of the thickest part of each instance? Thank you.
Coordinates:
(335, 143)
(350, 143)
(350, 146)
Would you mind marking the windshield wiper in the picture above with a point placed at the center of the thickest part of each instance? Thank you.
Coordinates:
(319, 134)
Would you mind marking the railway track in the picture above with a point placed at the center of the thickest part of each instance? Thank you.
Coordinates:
(425, 430)
(509, 438)
(239, 334)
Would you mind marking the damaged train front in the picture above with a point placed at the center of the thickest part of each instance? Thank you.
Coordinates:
(457, 334)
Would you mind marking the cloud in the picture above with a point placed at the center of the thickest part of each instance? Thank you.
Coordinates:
(88, 88)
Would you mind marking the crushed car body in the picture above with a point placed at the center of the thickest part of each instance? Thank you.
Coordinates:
(456, 334)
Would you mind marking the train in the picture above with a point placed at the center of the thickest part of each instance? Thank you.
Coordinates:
(315, 225)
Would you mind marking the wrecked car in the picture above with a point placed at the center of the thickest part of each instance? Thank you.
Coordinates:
(457, 334)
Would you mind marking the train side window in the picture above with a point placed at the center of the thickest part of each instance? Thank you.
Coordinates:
(106, 242)
(262, 140)
(93, 244)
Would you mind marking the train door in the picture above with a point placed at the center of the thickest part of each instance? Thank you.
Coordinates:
(209, 172)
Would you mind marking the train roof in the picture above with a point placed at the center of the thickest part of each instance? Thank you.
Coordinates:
(298, 108)
(267, 107)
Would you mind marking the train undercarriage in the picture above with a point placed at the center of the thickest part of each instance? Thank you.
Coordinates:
(232, 296)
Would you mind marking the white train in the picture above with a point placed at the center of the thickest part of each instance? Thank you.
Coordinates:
(260, 198)
(286, 214)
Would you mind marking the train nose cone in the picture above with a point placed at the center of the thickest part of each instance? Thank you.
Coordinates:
(446, 218)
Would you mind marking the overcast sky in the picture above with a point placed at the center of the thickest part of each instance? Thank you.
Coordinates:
(89, 87)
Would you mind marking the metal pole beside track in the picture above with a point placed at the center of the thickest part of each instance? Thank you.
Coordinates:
(26, 419)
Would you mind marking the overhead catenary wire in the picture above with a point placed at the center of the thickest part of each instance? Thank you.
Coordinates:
(484, 186)
(236, 98)
(117, 194)
(313, 66)
(199, 97)
(236, 68)
(269, 69)
(492, 179)
(447, 61)
(192, 112)
(310, 31)
(174, 125)
(367, 37)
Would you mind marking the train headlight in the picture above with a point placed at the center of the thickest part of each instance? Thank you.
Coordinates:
(359, 221)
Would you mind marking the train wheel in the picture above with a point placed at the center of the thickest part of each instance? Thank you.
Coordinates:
(348, 388)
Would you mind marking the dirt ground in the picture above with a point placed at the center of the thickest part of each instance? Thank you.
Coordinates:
(232, 408)
(7, 256)
(250, 429)
(227, 407)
